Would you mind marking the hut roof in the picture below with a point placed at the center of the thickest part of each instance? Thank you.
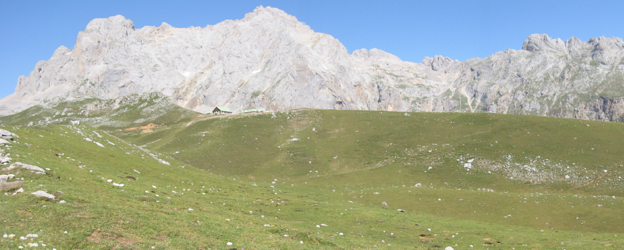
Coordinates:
(224, 109)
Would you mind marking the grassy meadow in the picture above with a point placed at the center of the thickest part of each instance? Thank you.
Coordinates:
(320, 179)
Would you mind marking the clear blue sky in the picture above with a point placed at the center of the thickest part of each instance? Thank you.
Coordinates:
(32, 30)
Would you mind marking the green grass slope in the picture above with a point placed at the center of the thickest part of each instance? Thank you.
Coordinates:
(248, 181)
(545, 173)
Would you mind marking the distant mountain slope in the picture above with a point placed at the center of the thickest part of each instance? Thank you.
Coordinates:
(119, 113)
(269, 60)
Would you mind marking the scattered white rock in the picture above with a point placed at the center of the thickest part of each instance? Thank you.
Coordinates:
(37, 170)
(32, 236)
(5, 134)
(43, 194)
(5, 160)
(109, 180)
(118, 184)
(62, 201)
(20, 190)
(229, 243)
(448, 248)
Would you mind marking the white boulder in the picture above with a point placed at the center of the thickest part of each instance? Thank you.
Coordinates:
(37, 170)
(43, 194)
(5, 134)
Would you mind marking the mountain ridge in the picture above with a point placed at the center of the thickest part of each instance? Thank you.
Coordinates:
(270, 60)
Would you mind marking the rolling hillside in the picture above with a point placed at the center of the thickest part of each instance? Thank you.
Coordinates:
(321, 179)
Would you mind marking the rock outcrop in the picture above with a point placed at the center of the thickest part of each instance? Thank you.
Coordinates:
(7, 186)
(5, 134)
(43, 194)
(269, 60)
(32, 168)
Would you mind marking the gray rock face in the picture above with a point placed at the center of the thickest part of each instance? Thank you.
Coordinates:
(269, 60)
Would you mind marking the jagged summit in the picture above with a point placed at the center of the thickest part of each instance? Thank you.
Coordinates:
(375, 54)
(270, 60)
(268, 12)
(542, 42)
(114, 22)
(597, 47)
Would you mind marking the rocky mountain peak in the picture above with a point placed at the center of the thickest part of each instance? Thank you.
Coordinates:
(269, 60)
(606, 43)
(114, 22)
(375, 54)
(542, 42)
(112, 28)
(437, 62)
(268, 13)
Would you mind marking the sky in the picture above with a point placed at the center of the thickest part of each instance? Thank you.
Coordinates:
(30, 31)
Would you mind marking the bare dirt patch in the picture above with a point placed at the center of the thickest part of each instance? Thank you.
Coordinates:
(144, 129)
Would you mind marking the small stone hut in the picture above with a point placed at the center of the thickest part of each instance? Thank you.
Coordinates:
(221, 110)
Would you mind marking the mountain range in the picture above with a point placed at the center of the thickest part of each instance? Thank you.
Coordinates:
(269, 60)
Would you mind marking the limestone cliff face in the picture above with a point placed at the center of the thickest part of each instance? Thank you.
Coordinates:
(269, 60)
